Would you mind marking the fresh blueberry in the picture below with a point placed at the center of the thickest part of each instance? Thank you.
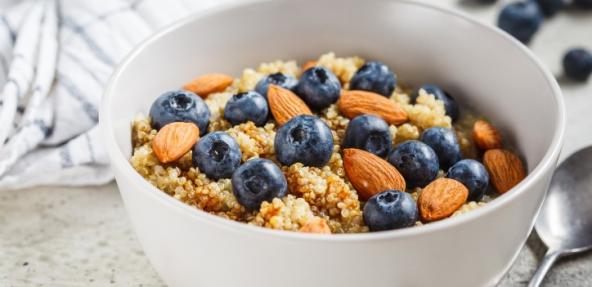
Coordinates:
(417, 162)
(521, 19)
(258, 180)
(278, 79)
(390, 209)
(550, 7)
(180, 106)
(369, 133)
(318, 87)
(217, 155)
(305, 139)
(443, 141)
(577, 64)
(248, 106)
(473, 175)
(375, 77)
(450, 104)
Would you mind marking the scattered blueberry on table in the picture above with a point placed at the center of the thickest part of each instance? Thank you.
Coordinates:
(473, 175)
(247, 106)
(444, 142)
(258, 180)
(318, 87)
(390, 209)
(450, 104)
(180, 106)
(416, 161)
(217, 155)
(375, 77)
(305, 139)
(577, 64)
(278, 79)
(521, 19)
(370, 133)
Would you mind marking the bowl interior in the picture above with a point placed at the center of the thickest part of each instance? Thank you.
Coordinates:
(478, 66)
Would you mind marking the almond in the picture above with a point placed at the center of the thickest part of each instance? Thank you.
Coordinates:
(441, 198)
(208, 84)
(505, 169)
(317, 225)
(285, 105)
(370, 174)
(486, 136)
(174, 140)
(355, 103)
(309, 65)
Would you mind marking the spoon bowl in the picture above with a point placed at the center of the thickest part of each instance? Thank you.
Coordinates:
(565, 220)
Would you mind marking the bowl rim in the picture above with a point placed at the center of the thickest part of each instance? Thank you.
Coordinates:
(120, 162)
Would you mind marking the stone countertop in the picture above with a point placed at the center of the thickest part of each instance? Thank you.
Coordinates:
(82, 237)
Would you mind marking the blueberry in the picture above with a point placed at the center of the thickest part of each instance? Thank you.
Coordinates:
(417, 162)
(318, 87)
(258, 180)
(248, 106)
(577, 64)
(180, 106)
(305, 139)
(369, 133)
(390, 209)
(550, 7)
(450, 104)
(521, 19)
(217, 155)
(471, 174)
(443, 141)
(375, 77)
(278, 79)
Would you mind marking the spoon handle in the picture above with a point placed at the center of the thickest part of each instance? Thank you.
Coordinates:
(550, 258)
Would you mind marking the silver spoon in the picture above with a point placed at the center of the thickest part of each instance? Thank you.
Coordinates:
(565, 221)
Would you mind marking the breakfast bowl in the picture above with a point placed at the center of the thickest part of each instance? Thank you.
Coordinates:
(483, 67)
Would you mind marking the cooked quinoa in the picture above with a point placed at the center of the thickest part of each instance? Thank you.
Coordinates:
(313, 193)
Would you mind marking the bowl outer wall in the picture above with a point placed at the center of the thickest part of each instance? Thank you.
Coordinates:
(191, 248)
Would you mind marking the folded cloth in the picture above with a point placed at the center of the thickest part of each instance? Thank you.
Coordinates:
(55, 60)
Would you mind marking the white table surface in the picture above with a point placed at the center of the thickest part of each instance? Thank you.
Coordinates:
(82, 237)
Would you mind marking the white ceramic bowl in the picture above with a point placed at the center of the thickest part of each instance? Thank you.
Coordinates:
(479, 65)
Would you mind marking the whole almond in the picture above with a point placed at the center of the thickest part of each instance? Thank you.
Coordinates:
(208, 84)
(309, 65)
(486, 136)
(174, 140)
(285, 105)
(370, 174)
(505, 169)
(318, 225)
(441, 198)
(355, 103)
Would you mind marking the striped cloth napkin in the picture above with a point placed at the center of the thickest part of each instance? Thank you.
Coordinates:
(55, 60)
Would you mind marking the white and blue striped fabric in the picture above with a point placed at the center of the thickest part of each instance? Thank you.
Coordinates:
(55, 59)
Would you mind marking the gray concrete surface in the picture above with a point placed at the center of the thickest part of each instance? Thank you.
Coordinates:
(82, 237)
